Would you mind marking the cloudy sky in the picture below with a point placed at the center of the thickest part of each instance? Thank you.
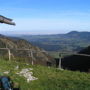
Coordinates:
(45, 16)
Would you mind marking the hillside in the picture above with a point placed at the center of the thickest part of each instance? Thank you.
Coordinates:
(47, 78)
(72, 41)
(39, 56)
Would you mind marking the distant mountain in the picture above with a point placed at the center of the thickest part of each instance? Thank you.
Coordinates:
(40, 56)
(72, 41)
(80, 35)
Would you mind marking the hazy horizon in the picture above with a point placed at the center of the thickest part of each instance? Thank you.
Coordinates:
(18, 34)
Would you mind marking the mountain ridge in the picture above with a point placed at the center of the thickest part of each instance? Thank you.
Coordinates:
(72, 41)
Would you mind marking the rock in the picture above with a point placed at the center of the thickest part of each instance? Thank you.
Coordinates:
(27, 74)
(6, 72)
(17, 67)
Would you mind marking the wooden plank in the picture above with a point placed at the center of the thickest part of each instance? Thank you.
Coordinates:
(75, 54)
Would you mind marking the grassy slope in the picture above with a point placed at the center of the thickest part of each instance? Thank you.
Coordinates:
(48, 78)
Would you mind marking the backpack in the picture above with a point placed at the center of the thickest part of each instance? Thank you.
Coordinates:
(5, 83)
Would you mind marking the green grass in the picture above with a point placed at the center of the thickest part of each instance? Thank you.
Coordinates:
(48, 78)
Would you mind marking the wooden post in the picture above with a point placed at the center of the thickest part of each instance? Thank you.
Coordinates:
(9, 54)
(60, 58)
(32, 57)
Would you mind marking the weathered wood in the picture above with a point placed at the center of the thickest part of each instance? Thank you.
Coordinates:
(4, 48)
(75, 54)
(9, 54)
(60, 58)
(6, 20)
(33, 51)
(32, 57)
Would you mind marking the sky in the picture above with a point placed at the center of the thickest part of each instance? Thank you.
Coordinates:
(45, 16)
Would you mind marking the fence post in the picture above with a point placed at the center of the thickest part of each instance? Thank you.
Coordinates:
(60, 58)
(9, 54)
(32, 57)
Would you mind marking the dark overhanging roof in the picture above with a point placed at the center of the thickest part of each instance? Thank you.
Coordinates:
(6, 20)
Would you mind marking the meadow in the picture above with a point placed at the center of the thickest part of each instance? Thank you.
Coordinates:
(49, 78)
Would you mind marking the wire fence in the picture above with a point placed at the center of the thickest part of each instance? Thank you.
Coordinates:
(61, 54)
(30, 54)
(20, 54)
